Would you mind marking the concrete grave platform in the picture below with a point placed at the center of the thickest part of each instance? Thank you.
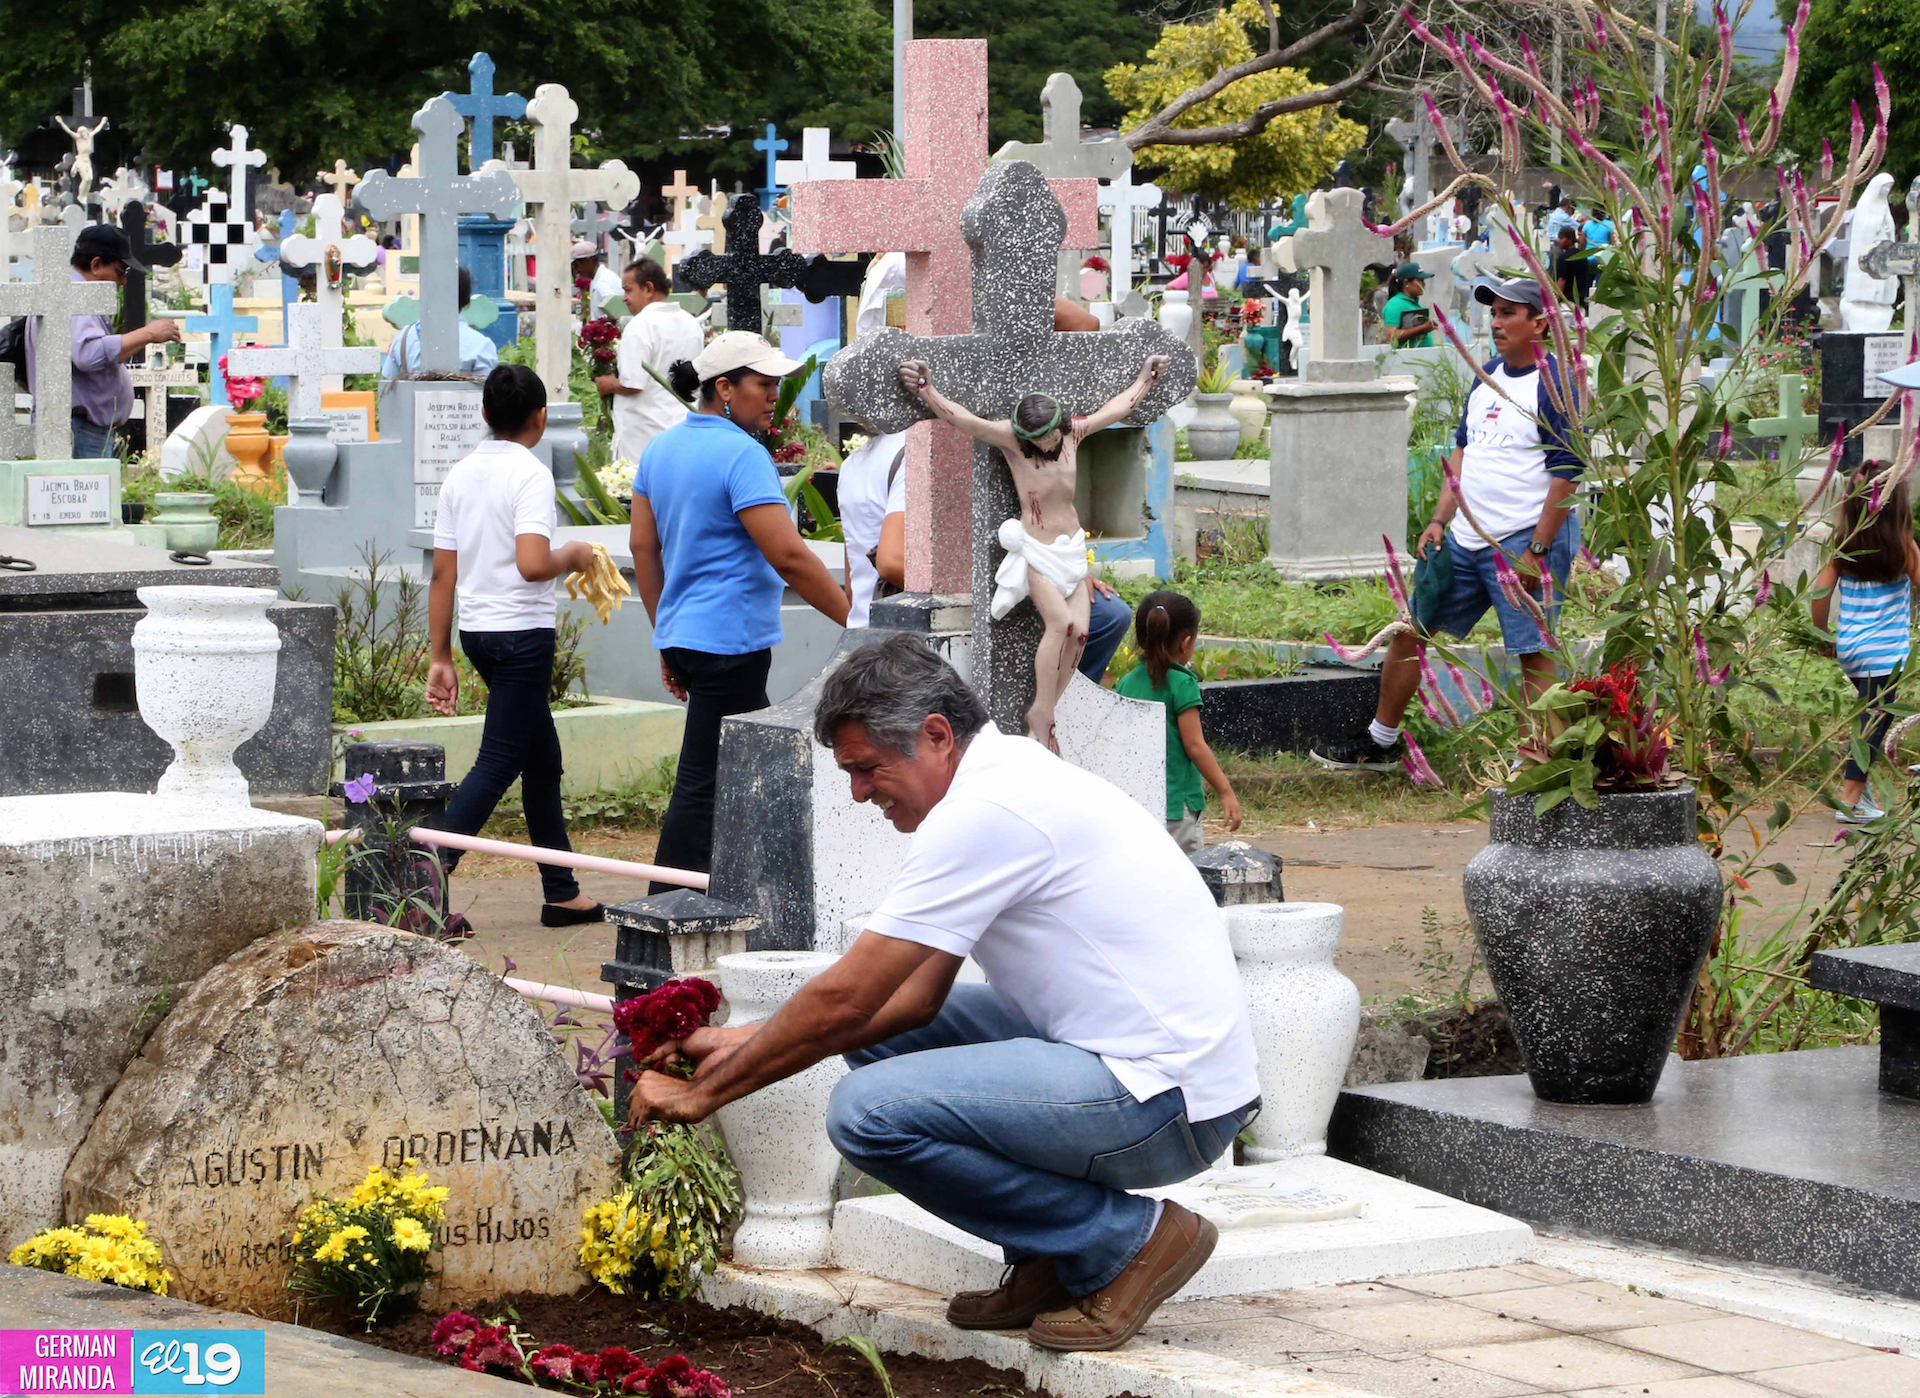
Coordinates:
(116, 903)
(1293, 713)
(1353, 1226)
(1793, 1160)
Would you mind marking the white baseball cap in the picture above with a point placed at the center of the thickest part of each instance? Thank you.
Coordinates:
(742, 349)
(584, 249)
(1906, 376)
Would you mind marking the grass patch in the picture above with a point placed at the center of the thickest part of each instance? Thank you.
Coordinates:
(637, 806)
(1286, 789)
(246, 517)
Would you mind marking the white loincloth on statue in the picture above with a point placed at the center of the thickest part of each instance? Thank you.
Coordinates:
(1062, 563)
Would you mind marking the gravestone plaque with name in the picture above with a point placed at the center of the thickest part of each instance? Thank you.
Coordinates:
(1878, 354)
(446, 427)
(70, 498)
(315, 1054)
(352, 424)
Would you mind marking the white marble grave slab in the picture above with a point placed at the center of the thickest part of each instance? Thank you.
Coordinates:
(1399, 1230)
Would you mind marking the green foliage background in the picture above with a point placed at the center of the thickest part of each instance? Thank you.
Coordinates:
(1843, 40)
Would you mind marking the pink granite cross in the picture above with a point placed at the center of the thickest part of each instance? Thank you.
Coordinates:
(946, 152)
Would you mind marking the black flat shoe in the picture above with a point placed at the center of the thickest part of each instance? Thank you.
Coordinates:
(559, 915)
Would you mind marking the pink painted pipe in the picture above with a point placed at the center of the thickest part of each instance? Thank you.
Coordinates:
(560, 995)
(537, 855)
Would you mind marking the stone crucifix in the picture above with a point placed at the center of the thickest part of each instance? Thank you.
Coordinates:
(237, 158)
(920, 215)
(331, 255)
(482, 106)
(306, 359)
(439, 194)
(56, 301)
(1335, 248)
(342, 178)
(553, 186)
(1013, 226)
(814, 162)
(154, 378)
(84, 128)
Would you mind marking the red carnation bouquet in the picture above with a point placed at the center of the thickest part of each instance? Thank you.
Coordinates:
(665, 1014)
(600, 338)
(679, 1192)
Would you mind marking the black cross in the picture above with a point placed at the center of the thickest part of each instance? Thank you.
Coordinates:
(746, 269)
(133, 222)
(82, 115)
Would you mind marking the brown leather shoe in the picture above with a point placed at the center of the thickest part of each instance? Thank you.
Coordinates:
(1179, 1247)
(1026, 1289)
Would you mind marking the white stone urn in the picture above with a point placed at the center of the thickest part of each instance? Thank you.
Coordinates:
(1176, 314)
(204, 663)
(1306, 1017)
(778, 1136)
(1249, 408)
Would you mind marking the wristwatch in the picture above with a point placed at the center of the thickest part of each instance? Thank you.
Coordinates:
(1538, 549)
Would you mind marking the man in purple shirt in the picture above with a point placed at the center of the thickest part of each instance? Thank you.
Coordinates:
(102, 387)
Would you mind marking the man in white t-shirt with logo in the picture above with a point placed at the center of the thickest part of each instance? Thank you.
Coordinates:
(873, 521)
(1109, 1051)
(1513, 456)
(658, 332)
(493, 558)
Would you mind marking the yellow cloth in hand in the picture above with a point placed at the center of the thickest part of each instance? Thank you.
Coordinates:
(602, 584)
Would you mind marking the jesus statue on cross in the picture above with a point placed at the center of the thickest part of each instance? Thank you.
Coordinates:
(1045, 543)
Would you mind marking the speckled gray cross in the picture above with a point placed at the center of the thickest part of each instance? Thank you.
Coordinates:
(439, 194)
(1013, 224)
(306, 359)
(56, 301)
(1335, 247)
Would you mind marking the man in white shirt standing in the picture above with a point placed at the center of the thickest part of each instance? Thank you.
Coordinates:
(1513, 458)
(873, 504)
(493, 555)
(1109, 1051)
(659, 332)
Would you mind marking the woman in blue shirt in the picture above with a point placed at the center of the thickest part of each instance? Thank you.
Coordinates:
(714, 551)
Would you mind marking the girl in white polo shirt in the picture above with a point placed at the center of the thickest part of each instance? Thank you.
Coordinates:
(493, 553)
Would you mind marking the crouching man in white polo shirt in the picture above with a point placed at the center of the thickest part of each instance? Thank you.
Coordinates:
(1109, 1051)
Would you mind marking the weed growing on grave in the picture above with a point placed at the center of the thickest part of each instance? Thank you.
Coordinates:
(246, 516)
(108, 1248)
(372, 1249)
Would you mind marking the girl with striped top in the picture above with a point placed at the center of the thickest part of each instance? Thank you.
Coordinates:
(1865, 596)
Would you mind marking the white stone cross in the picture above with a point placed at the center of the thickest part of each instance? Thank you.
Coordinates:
(154, 378)
(555, 186)
(813, 163)
(1063, 155)
(1123, 196)
(306, 359)
(1334, 248)
(56, 301)
(1500, 259)
(239, 158)
(343, 179)
(691, 232)
(331, 256)
(439, 195)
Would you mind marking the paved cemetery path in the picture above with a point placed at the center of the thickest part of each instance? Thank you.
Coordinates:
(1383, 875)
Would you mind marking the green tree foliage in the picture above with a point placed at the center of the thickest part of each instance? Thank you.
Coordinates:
(341, 78)
(1843, 40)
(1292, 153)
(1029, 40)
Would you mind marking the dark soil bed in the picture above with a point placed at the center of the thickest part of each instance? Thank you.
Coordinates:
(754, 1354)
(1472, 1044)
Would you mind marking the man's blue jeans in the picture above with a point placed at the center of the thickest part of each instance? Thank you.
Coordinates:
(91, 441)
(1107, 621)
(1029, 1144)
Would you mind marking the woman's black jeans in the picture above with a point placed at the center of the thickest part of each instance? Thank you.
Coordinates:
(518, 740)
(717, 685)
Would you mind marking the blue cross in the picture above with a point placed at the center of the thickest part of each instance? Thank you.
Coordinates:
(481, 106)
(193, 181)
(224, 327)
(772, 144)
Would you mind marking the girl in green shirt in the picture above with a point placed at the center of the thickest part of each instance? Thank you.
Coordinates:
(1167, 628)
(1409, 324)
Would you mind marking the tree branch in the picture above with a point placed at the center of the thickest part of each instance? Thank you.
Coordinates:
(1158, 129)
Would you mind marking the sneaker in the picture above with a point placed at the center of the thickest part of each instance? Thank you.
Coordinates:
(1027, 1289)
(1179, 1247)
(1361, 754)
(1860, 812)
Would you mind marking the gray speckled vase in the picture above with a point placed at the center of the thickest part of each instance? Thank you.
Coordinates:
(1595, 924)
